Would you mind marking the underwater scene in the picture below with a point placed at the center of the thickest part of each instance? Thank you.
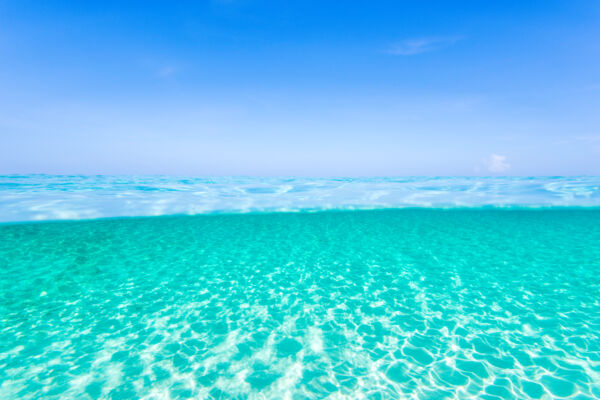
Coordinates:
(415, 303)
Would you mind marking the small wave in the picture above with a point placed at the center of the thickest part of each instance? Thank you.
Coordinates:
(56, 197)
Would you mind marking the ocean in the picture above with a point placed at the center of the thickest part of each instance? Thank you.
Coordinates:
(218, 288)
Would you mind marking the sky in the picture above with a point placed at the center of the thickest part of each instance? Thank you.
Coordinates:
(300, 88)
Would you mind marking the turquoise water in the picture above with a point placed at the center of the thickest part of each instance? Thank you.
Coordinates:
(409, 303)
(53, 197)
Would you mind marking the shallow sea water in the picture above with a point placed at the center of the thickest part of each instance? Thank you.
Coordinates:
(68, 197)
(411, 303)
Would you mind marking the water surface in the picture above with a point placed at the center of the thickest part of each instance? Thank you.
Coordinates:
(52, 197)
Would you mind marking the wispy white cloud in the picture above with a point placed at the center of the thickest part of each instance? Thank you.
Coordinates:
(497, 163)
(592, 88)
(591, 141)
(166, 71)
(410, 47)
(588, 138)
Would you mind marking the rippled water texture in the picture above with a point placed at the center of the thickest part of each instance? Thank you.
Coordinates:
(413, 303)
(51, 197)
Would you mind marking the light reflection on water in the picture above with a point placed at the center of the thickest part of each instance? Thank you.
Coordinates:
(50, 197)
(415, 303)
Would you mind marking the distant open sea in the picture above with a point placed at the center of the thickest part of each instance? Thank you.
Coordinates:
(158, 287)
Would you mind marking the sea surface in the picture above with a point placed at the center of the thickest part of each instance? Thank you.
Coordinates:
(53, 197)
(415, 288)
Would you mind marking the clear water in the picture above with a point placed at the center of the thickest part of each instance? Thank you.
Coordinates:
(410, 303)
(51, 197)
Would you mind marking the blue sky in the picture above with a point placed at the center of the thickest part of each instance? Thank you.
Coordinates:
(245, 87)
